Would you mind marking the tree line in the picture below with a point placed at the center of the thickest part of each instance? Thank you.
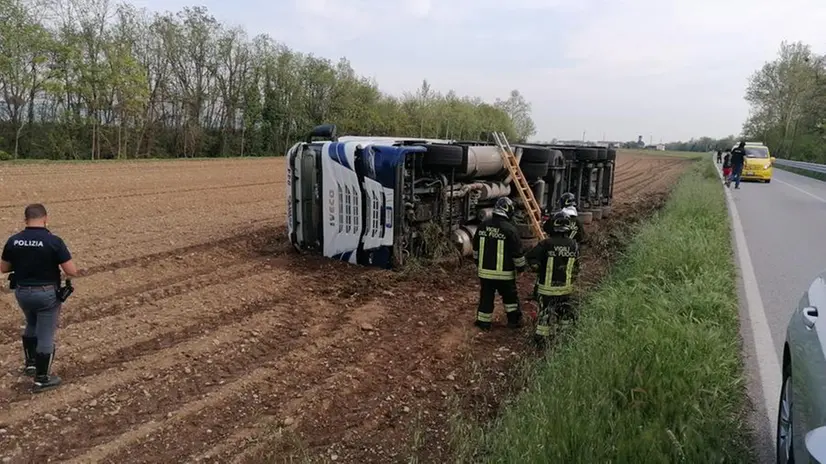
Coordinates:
(787, 99)
(86, 79)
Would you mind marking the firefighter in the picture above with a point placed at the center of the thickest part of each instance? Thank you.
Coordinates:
(556, 260)
(497, 250)
(568, 203)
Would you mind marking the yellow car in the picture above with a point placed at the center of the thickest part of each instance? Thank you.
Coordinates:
(758, 165)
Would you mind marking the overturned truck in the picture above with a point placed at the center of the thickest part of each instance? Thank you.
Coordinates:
(372, 200)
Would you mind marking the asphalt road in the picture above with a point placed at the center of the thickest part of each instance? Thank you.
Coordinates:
(780, 250)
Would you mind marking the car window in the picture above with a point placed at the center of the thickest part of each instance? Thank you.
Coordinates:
(757, 152)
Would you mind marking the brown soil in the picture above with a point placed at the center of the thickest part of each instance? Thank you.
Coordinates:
(197, 334)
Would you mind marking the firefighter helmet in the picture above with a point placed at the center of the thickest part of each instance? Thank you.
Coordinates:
(567, 199)
(559, 223)
(570, 211)
(504, 207)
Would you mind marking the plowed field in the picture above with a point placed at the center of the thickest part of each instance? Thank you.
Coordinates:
(196, 334)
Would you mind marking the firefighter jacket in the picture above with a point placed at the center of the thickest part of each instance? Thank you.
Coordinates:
(577, 226)
(497, 250)
(577, 230)
(557, 260)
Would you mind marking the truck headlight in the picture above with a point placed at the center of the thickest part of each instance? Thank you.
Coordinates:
(766, 167)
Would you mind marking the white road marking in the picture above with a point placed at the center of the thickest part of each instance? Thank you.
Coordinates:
(767, 361)
(801, 190)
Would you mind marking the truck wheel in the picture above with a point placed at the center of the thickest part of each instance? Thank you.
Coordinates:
(534, 171)
(568, 152)
(534, 154)
(597, 213)
(606, 211)
(602, 154)
(443, 156)
(587, 154)
(557, 158)
(586, 217)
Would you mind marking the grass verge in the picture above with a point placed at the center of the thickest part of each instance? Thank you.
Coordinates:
(652, 372)
(814, 175)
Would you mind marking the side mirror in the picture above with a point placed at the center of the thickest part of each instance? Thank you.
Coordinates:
(327, 131)
(816, 444)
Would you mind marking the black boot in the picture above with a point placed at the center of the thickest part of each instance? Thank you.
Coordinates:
(42, 380)
(515, 319)
(29, 352)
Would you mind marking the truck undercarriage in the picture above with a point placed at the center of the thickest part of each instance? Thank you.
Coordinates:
(382, 200)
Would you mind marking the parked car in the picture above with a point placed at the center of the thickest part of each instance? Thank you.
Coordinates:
(801, 418)
(758, 164)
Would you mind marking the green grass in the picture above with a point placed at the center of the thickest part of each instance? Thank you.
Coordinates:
(652, 373)
(802, 172)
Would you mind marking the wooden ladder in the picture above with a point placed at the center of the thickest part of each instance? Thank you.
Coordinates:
(525, 192)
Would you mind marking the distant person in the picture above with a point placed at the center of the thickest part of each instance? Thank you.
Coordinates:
(738, 158)
(35, 256)
(719, 156)
(727, 167)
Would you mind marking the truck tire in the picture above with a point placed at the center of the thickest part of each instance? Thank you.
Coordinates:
(557, 158)
(443, 157)
(534, 154)
(602, 154)
(606, 211)
(533, 171)
(612, 154)
(596, 213)
(586, 217)
(587, 154)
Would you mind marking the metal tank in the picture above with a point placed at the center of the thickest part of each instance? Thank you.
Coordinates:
(482, 161)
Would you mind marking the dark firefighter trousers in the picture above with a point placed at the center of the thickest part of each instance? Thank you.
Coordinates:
(551, 309)
(487, 297)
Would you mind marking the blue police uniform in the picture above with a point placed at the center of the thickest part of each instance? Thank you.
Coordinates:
(35, 255)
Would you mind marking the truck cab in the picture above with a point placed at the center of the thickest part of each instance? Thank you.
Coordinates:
(344, 196)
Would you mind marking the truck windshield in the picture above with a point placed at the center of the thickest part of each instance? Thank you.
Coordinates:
(757, 152)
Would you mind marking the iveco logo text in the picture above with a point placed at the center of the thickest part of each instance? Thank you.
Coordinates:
(331, 208)
(28, 243)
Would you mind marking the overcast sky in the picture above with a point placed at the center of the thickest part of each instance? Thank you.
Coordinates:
(667, 69)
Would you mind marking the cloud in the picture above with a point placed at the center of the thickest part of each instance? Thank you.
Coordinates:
(669, 69)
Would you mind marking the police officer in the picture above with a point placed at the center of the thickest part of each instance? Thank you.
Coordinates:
(35, 256)
(568, 203)
(497, 250)
(556, 259)
(738, 158)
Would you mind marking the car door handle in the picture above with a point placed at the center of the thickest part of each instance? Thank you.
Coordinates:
(809, 317)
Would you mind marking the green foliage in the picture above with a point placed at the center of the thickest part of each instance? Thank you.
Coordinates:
(788, 104)
(653, 364)
(106, 82)
(5, 156)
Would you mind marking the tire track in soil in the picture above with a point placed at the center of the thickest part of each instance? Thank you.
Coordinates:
(117, 412)
(104, 336)
(147, 194)
(363, 409)
(663, 176)
(241, 402)
(207, 267)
